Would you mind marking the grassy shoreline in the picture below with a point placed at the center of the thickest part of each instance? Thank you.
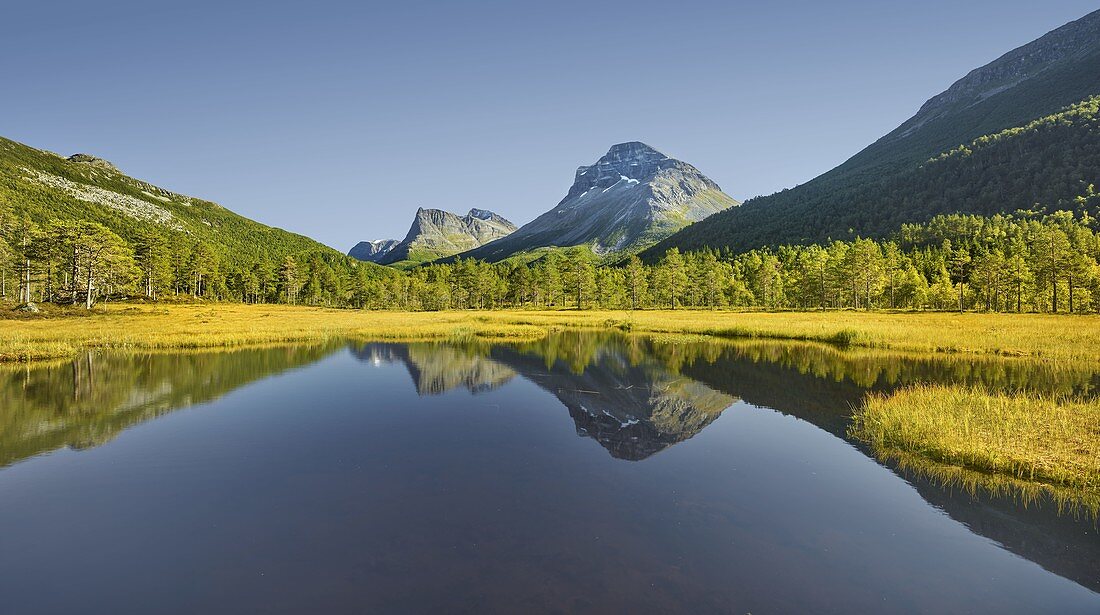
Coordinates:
(966, 435)
(143, 326)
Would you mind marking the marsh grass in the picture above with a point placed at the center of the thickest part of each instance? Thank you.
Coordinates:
(1034, 336)
(1052, 442)
(61, 333)
(227, 326)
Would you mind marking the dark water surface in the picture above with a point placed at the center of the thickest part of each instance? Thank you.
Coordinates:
(582, 473)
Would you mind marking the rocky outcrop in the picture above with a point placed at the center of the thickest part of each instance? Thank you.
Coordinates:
(436, 234)
(91, 160)
(372, 251)
(629, 199)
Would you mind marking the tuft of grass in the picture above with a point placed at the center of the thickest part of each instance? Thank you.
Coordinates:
(1045, 440)
(845, 337)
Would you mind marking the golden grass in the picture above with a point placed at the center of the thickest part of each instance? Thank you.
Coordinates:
(145, 326)
(1030, 335)
(1046, 440)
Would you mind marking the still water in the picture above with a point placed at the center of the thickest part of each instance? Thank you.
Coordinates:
(580, 473)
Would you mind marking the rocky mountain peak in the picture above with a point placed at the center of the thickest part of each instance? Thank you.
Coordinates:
(627, 165)
(632, 197)
(634, 160)
(632, 151)
(436, 233)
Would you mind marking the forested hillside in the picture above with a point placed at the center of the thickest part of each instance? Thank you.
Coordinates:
(1026, 261)
(77, 229)
(1046, 164)
(889, 182)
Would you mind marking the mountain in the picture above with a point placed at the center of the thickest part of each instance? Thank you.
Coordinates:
(436, 233)
(44, 186)
(892, 180)
(372, 251)
(631, 198)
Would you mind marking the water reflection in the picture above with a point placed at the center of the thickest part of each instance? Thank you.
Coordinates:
(637, 396)
(623, 397)
(88, 401)
(634, 395)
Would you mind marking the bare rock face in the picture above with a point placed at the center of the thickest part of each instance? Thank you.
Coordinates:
(91, 160)
(629, 199)
(372, 251)
(436, 234)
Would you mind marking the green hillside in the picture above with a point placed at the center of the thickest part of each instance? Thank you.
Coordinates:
(889, 182)
(63, 216)
(45, 186)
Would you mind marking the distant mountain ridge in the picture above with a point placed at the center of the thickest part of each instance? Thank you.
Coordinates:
(886, 184)
(630, 198)
(372, 251)
(1073, 41)
(436, 234)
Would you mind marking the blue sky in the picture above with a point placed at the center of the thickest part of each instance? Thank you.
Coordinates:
(338, 119)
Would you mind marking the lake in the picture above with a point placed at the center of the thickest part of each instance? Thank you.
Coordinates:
(585, 472)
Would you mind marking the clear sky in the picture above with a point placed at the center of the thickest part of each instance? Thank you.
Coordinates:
(338, 119)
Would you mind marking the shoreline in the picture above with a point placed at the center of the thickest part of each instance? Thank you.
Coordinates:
(61, 333)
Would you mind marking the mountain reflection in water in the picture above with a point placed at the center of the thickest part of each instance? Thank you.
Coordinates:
(636, 396)
(626, 400)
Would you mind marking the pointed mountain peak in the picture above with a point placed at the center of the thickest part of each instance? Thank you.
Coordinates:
(632, 197)
(632, 163)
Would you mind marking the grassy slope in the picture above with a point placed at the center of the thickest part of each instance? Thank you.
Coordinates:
(233, 236)
(1064, 337)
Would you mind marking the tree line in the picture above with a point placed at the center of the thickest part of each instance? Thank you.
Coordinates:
(85, 262)
(1024, 262)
